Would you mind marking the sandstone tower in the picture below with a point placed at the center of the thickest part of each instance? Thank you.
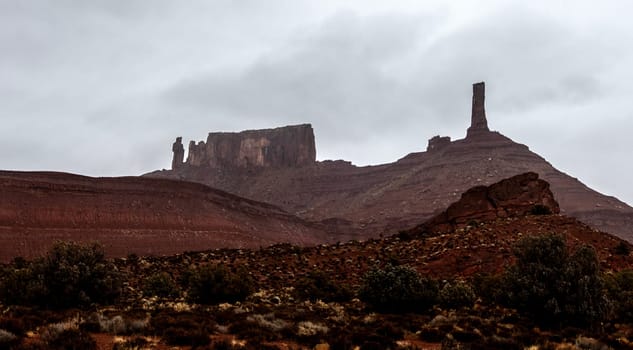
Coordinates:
(478, 121)
(179, 154)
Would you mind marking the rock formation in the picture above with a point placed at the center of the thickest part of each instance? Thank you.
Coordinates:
(437, 143)
(385, 198)
(179, 154)
(478, 122)
(519, 195)
(290, 146)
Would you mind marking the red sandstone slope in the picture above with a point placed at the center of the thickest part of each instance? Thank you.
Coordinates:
(135, 215)
(390, 197)
(475, 234)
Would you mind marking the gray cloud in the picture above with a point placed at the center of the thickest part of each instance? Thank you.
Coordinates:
(103, 87)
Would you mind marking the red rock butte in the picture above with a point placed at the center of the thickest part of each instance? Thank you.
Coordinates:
(278, 166)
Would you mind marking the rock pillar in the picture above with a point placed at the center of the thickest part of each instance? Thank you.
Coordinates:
(478, 121)
(179, 154)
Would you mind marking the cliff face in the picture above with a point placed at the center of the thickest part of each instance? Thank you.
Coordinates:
(290, 146)
(391, 197)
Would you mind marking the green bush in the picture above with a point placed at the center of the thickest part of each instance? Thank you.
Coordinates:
(488, 287)
(620, 289)
(318, 285)
(23, 286)
(213, 284)
(555, 287)
(456, 295)
(70, 275)
(162, 285)
(397, 289)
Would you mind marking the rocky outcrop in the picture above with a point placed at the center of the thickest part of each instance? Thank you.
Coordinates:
(289, 146)
(519, 195)
(437, 143)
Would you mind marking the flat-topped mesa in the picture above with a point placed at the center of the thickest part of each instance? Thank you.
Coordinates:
(289, 146)
(478, 121)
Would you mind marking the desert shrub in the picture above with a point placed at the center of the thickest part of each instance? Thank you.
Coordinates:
(318, 285)
(186, 320)
(620, 290)
(70, 275)
(268, 321)
(253, 331)
(223, 345)
(12, 325)
(553, 286)
(622, 249)
(72, 339)
(397, 289)
(7, 339)
(23, 286)
(77, 275)
(213, 284)
(540, 209)
(405, 235)
(383, 333)
(456, 295)
(310, 332)
(488, 287)
(185, 336)
(160, 284)
(137, 343)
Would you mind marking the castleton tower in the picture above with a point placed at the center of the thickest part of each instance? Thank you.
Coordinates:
(478, 122)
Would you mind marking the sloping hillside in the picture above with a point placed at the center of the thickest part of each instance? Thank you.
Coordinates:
(136, 215)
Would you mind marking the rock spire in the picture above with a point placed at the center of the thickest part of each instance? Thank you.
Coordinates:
(478, 117)
(179, 154)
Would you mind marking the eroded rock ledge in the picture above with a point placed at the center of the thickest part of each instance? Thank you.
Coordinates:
(517, 196)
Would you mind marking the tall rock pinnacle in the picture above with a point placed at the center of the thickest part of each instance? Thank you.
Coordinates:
(478, 118)
(179, 154)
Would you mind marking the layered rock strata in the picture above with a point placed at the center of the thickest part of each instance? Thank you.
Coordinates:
(136, 215)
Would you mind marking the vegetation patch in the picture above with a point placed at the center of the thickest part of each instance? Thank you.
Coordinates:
(214, 284)
(397, 289)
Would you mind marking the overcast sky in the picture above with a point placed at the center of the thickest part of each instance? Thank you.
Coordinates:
(102, 88)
